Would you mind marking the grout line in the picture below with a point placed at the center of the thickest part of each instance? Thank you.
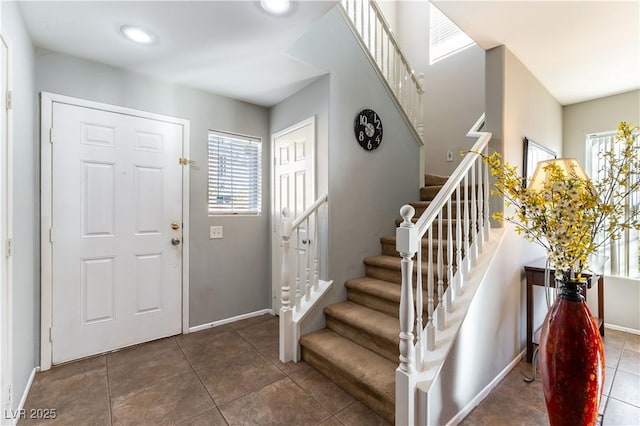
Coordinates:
(106, 362)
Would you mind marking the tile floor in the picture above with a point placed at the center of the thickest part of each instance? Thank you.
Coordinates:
(231, 375)
(515, 402)
(225, 375)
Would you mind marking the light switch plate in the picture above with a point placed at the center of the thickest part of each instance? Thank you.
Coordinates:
(215, 232)
(450, 156)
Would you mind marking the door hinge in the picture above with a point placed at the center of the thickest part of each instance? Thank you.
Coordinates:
(51, 135)
(50, 235)
(9, 99)
(9, 247)
(51, 334)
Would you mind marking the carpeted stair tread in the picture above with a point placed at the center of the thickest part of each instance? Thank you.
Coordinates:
(375, 287)
(379, 295)
(427, 193)
(367, 320)
(389, 262)
(366, 375)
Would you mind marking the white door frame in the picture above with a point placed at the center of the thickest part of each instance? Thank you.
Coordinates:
(46, 113)
(6, 236)
(275, 225)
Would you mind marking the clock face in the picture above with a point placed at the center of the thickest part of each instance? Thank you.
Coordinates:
(368, 129)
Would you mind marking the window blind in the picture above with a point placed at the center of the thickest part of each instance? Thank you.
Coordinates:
(445, 38)
(623, 254)
(235, 174)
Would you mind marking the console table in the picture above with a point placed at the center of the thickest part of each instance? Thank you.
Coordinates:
(535, 276)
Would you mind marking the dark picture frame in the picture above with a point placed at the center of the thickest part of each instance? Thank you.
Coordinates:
(533, 153)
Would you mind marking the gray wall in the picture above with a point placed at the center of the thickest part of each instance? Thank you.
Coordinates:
(366, 189)
(622, 295)
(517, 106)
(221, 284)
(598, 115)
(454, 88)
(26, 218)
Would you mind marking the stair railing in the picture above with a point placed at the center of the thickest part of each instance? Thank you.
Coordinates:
(301, 286)
(385, 53)
(463, 200)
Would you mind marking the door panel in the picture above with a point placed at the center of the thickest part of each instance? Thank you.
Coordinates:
(117, 187)
(294, 177)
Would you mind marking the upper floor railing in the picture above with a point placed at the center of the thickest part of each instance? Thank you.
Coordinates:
(385, 52)
(456, 226)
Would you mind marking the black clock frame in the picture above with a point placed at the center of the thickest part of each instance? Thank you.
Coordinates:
(368, 129)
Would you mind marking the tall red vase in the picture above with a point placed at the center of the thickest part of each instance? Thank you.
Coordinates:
(571, 360)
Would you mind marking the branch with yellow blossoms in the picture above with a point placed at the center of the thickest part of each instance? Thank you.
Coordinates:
(569, 216)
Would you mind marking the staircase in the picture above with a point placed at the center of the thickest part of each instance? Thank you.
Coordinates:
(358, 349)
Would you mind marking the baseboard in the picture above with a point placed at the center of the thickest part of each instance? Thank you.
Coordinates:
(620, 328)
(229, 320)
(23, 399)
(485, 392)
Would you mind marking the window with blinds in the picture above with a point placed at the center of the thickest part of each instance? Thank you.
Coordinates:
(445, 38)
(235, 174)
(623, 254)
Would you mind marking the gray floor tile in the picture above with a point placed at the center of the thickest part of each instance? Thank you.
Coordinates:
(280, 403)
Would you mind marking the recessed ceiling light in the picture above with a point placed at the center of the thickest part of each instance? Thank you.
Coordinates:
(137, 34)
(277, 7)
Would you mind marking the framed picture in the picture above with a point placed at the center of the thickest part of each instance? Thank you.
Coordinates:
(533, 153)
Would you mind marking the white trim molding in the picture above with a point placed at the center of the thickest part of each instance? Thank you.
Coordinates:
(230, 320)
(46, 109)
(621, 328)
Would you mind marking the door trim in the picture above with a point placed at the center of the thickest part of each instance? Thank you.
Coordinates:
(46, 116)
(275, 228)
(6, 234)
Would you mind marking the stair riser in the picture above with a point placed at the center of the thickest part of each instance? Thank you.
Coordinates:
(372, 342)
(380, 404)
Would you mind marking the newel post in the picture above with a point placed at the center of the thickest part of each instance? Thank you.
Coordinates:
(407, 244)
(286, 313)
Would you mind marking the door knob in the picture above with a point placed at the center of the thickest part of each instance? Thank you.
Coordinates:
(175, 241)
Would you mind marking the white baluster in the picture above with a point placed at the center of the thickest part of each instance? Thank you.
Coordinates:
(286, 316)
(474, 217)
(440, 309)
(307, 286)
(420, 126)
(459, 229)
(419, 342)
(487, 226)
(480, 207)
(467, 264)
(299, 253)
(315, 253)
(406, 244)
(431, 331)
(449, 297)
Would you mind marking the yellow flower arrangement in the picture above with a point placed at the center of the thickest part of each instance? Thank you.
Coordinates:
(567, 214)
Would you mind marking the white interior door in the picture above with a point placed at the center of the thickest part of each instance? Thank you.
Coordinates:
(294, 188)
(116, 257)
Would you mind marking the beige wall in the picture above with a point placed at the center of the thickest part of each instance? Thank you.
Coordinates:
(598, 115)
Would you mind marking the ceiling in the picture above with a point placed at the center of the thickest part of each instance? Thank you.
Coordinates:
(232, 48)
(579, 50)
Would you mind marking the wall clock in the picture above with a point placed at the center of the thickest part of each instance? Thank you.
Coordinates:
(368, 129)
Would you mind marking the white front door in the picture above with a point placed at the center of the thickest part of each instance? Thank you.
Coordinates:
(294, 188)
(116, 230)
